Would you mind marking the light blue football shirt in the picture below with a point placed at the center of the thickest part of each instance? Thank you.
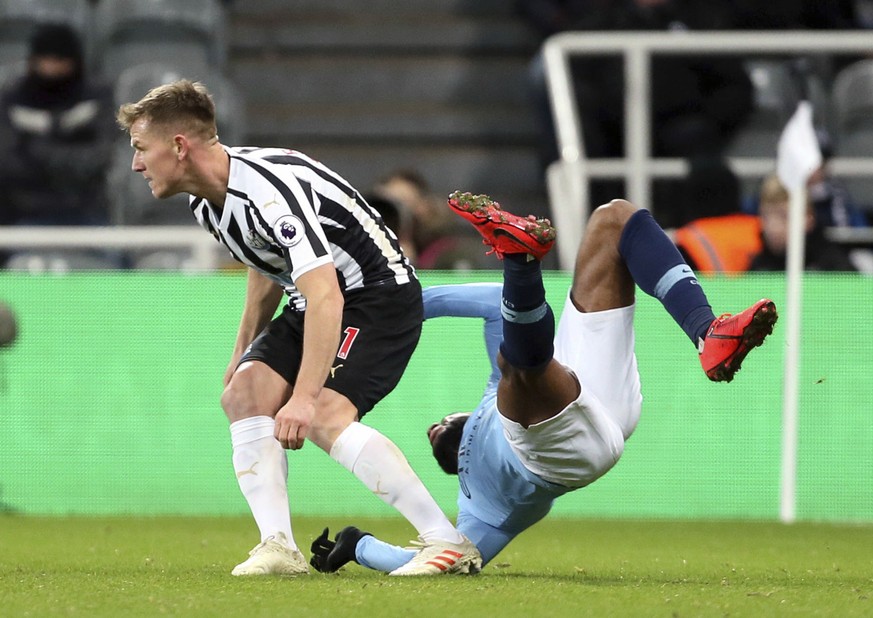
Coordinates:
(498, 498)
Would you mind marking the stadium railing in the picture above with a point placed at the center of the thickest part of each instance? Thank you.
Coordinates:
(206, 254)
(567, 179)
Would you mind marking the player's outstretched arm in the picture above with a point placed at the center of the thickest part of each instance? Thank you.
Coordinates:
(489, 540)
(354, 545)
(470, 300)
(463, 300)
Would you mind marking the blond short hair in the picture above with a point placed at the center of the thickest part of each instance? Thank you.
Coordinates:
(774, 194)
(181, 105)
(773, 191)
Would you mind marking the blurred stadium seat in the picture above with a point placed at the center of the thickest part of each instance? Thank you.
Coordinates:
(775, 93)
(189, 35)
(11, 70)
(775, 97)
(852, 101)
(18, 18)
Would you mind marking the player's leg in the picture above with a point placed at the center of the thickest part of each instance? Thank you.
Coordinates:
(386, 329)
(624, 245)
(250, 400)
(377, 462)
(533, 386)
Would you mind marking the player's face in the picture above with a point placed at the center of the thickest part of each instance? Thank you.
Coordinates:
(437, 429)
(774, 225)
(445, 441)
(155, 156)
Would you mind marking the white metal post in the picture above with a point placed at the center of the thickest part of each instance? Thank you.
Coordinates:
(638, 126)
(791, 369)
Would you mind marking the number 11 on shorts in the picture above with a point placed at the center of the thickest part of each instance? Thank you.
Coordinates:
(351, 332)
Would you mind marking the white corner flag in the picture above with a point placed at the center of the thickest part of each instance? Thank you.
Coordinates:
(797, 156)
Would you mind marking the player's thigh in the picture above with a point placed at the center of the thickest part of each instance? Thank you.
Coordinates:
(380, 331)
(532, 396)
(572, 448)
(599, 348)
(262, 381)
(601, 280)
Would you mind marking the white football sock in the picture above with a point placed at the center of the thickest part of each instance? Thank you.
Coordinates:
(380, 465)
(262, 473)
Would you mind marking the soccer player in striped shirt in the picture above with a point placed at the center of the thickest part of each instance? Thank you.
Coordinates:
(340, 344)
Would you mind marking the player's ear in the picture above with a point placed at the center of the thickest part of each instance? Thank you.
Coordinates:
(180, 146)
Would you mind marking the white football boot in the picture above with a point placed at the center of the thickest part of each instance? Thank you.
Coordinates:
(442, 557)
(273, 557)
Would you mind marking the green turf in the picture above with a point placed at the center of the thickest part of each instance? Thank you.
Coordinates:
(561, 567)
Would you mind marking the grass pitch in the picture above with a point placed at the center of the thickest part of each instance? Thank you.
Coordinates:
(561, 567)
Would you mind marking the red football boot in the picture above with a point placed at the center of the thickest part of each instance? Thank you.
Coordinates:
(730, 338)
(503, 231)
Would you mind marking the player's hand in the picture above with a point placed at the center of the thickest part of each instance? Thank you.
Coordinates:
(292, 423)
(321, 548)
(329, 556)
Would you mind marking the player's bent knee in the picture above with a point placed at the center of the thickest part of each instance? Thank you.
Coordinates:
(239, 400)
(233, 402)
(607, 223)
(612, 215)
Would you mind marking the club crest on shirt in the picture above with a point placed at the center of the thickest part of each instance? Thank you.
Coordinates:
(288, 230)
(256, 241)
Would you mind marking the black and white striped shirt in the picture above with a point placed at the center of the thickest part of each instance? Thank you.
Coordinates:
(286, 214)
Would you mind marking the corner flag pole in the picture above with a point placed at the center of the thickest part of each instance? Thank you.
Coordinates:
(798, 156)
(791, 369)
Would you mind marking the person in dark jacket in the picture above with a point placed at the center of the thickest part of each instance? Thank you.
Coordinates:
(56, 134)
(698, 101)
(820, 253)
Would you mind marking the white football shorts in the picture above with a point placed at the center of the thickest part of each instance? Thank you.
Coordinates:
(583, 441)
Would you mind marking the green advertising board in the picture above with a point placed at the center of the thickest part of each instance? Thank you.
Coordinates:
(109, 404)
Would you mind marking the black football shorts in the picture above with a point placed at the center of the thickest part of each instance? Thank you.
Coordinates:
(381, 327)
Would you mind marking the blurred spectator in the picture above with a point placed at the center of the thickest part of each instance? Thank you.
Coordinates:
(864, 13)
(56, 131)
(806, 15)
(396, 218)
(389, 211)
(797, 14)
(698, 102)
(718, 237)
(833, 205)
(820, 254)
(424, 219)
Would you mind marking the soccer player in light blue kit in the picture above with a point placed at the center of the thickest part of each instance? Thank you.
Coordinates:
(560, 403)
